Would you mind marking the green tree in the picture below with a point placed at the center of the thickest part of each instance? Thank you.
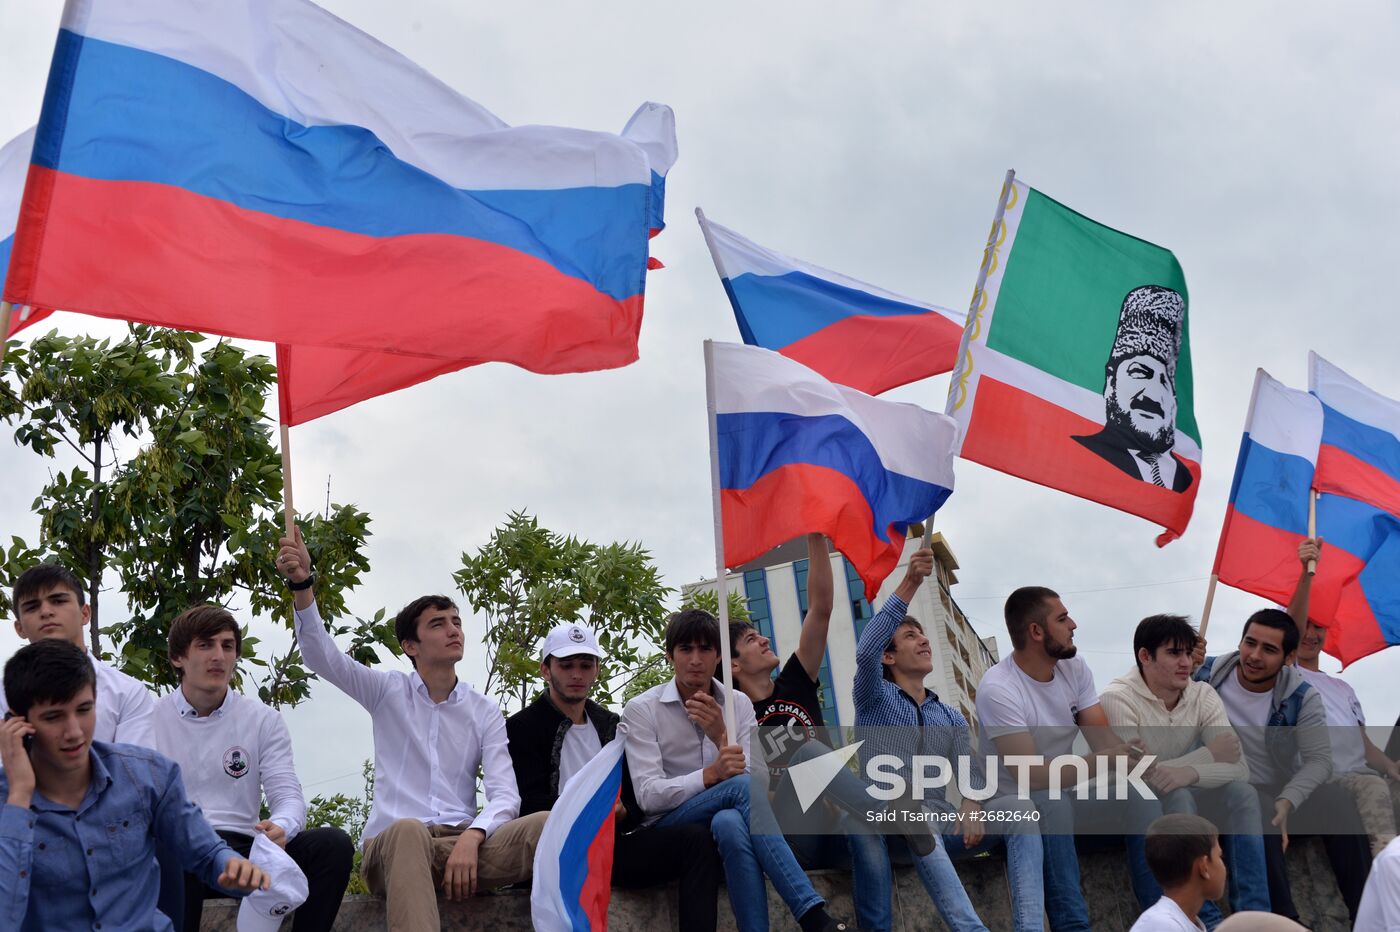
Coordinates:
(349, 814)
(655, 670)
(194, 514)
(527, 579)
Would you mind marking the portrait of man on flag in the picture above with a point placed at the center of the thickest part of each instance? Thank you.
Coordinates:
(1139, 392)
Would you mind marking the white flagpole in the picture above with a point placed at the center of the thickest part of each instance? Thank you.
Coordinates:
(1312, 526)
(721, 580)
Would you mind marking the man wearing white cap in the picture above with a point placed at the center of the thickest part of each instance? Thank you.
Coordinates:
(560, 732)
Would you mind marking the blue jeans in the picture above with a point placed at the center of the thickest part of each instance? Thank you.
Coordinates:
(940, 880)
(1064, 898)
(851, 848)
(747, 857)
(1024, 854)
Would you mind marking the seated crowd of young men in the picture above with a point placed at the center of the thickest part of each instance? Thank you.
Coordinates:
(128, 811)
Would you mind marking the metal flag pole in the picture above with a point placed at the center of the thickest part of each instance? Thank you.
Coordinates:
(721, 580)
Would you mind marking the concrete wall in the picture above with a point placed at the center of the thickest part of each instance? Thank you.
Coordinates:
(1105, 877)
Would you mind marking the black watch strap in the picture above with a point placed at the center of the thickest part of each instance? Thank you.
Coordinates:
(306, 583)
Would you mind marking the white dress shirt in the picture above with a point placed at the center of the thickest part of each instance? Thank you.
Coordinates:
(426, 753)
(667, 753)
(230, 758)
(125, 707)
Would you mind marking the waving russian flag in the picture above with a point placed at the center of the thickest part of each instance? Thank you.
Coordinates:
(852, 333)
(14, 164)
(267, 171)
(573, 859)
(798, 454)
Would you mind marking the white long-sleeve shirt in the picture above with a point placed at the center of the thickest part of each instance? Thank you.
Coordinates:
(230, 758)
(667, 753)
(125, 707)
(426, 753)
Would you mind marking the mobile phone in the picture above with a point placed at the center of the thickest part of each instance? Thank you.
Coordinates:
(28, 739)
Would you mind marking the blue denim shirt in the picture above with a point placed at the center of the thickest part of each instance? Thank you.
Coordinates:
(96, 868)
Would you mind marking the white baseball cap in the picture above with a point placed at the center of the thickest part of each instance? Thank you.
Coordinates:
(569, 639)
(264, 910)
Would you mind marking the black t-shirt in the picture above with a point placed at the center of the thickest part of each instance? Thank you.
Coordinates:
(796, 707)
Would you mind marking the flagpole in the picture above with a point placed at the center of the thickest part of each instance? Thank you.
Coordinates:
(965, 346)
(1312, 526)
(1210, 597)
(283, 407)
(721, 580)
(6, 309)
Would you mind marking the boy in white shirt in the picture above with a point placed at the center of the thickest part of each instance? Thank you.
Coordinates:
(232, 750)
(432, 733)
(1184, 854)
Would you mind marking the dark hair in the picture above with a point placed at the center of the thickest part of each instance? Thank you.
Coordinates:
(406, 622)
(1156, 631)
(1174, 842)
(42, 577)
(1024, 607)
(738, 629)
(910, 621)
(202, 621)
(50, 671)
(1279, 620)
(693, 626)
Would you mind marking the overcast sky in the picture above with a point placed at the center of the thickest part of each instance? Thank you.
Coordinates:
(1255, 141)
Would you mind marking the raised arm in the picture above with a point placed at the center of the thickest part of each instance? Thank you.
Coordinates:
(1310, 549)
(318, 648)
(878, 631)
(820, 599)
(16, 822)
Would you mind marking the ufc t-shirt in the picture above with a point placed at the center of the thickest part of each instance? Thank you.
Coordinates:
(796, 707)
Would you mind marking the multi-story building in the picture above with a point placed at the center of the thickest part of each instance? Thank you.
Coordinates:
(775, 587)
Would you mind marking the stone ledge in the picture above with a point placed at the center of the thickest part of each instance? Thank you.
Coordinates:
(1104, 873)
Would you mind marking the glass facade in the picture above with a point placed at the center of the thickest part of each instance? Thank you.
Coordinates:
(855, 589)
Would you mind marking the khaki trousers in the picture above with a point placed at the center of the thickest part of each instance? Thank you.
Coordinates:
(1373, 801)
(405, 863)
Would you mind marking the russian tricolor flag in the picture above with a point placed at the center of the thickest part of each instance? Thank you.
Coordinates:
(14, 165)
(852, 333)
(573, 859)
(798, 455)
(267, 171)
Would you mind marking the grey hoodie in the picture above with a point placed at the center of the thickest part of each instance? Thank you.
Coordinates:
(1300, 756)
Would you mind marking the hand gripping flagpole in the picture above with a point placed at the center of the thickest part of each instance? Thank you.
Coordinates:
(721, 580)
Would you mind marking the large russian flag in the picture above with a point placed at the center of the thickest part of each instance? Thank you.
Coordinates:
(851, 332)
(798, 454)
(267, 171)
(573, 859)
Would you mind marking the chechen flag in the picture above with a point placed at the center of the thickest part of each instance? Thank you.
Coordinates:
(573, 859)
(1075, 370)
(800, 455)
(851, 332)
(269, 172)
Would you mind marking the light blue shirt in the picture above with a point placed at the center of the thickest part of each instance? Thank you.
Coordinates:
(96, 868)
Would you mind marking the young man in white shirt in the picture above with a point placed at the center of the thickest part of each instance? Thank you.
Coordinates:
(1372, 778)
(48, 602)
(1036, 700)
(1184, 854)
(432, 733)
(233, 750)
(553, 737)
(1380, 902)
(1184, 725)
(686, 770)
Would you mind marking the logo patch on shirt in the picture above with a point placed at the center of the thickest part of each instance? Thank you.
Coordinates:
(236, 762)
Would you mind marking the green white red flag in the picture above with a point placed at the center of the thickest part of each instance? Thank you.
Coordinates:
(1075, 366)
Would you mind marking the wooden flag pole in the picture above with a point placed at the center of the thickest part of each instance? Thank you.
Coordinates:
(1210, 597)
(721, 580)
(6, 310)
(1312, 526)
(928, 533)
(289, 515)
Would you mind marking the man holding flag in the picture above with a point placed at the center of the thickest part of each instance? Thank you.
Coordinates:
(556, 735)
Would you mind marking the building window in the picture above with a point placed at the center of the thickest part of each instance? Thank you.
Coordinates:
(756, 592)
(855, 590)
(830, 715)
